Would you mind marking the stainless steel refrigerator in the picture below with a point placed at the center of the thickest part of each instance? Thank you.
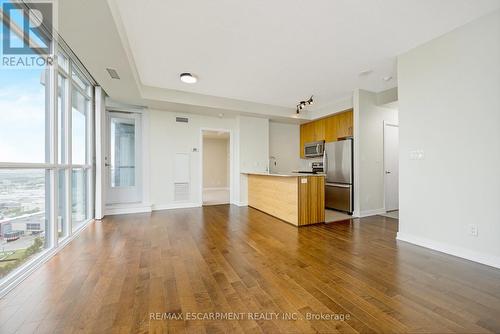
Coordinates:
(338, 166)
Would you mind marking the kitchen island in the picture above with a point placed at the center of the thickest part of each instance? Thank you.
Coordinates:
(298, 199)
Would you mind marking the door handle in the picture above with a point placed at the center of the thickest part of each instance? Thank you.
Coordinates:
(388, 172)
(106, 164)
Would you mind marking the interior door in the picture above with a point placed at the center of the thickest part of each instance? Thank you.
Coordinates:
(123, 158)
(391, 166)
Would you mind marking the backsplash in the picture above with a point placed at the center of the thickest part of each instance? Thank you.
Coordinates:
(305, 164)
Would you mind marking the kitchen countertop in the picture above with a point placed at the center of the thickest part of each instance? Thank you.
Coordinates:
(292, 174)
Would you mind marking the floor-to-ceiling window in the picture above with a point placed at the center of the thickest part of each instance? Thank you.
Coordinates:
(46, 158)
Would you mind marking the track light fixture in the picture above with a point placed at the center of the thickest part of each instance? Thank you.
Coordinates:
(303, 104)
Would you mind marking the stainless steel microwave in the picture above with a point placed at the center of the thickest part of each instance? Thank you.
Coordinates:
(314, 149)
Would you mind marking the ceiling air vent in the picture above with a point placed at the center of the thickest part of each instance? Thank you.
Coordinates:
(112, 73)
(182, 120)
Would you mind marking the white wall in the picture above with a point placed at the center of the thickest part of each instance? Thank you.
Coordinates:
(370, 137)
(284, 144)
(167, 138)
(253, 150)
(215, 162)
(249, 145)
(449, 102)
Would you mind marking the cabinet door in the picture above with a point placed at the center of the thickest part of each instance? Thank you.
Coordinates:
(319, 130)
(331, 129)
(349, 122)
(306, 136)
(344, 124)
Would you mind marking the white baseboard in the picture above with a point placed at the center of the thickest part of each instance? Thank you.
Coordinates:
(123, 209)
(240, 203)
(487, 259)
(374, 212)
(158, 207)
(216, 188)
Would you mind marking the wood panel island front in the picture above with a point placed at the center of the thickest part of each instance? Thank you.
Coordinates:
(298, 199)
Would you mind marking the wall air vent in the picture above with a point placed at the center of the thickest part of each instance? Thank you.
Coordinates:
(181, 192)
(113, 73)
(182, 120)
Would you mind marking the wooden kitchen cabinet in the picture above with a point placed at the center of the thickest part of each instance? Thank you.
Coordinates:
(306, 136)
(328, 129)
(345, 124)
(331, 125)
(319, 129)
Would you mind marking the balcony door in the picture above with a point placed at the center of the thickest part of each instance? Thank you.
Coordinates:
(123, 163)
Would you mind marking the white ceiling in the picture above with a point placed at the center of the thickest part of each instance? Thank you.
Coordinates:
(271, 53)
(281, 51)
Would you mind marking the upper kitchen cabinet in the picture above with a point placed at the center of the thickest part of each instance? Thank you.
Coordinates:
(331, 125)
(344, 125)
(306, 135)
(328, 129)
(312, 131)
(319, 130)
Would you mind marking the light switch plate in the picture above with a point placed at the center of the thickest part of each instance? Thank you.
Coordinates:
(303, 180)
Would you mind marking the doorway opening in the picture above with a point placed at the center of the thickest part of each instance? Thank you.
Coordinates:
(391, 170)
(216, 167)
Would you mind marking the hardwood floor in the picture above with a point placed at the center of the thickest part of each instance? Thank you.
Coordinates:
(230, 259)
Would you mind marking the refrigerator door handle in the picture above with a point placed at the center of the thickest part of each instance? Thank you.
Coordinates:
(325, 162)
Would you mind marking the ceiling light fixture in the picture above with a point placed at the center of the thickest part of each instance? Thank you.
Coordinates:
(188, 78)
(302, 104)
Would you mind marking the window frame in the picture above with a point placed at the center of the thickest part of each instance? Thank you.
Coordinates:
(52, 164)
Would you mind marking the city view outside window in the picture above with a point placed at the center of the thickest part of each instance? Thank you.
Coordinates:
(23, 216)
(44, 154)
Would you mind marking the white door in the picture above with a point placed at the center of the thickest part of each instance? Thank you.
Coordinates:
(123, 158)
(391, 166)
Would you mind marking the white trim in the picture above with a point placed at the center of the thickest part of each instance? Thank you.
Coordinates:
(112, 105)
(216, 188)
(240, 203)
(145, 155)
(368, 213)
(159, 207)
(100, 152)
(123, 195)
(356, 154)
(28, 268)
(385, 124)
(123, 209)
(487, 259)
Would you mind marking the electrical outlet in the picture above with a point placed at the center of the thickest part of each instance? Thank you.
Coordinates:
(473, 230)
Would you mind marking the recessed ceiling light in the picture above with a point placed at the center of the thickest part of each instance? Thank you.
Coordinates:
(188, 78)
